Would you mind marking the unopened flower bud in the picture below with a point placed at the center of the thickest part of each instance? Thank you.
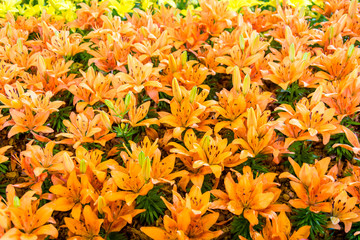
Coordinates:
(350, 51)
(305, 56)
(183, 58)
(146, 168)
(172, 63)
(127, 99)
(83, 166)
(105, 119)
(101, 204)
(236, 79)
(176, 90)
(246, 84)
(16, 202)
(141, 157)
(193, 94)
(109, 104)
(292, 52)
(242, 42)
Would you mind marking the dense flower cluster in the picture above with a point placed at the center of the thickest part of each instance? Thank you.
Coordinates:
(178, 119)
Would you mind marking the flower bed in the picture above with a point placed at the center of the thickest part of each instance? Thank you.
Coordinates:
(206, 119)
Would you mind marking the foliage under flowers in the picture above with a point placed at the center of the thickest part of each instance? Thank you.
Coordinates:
(173, 119)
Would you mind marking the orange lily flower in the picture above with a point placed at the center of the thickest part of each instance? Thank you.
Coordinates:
(192, 74)
(232, 107)
(19, 54)
(279, 229)
(289, 70)
(145, 146)
(353, 181)
(188, 32)
(331, 7)
(313, 186)
(184, 228)
(299, 44)
(215, 16)
(185, 112)
(205, 117)
(204, 156)
(172, 65)
(94, 87)
(90, 230)
(338, 65)
(112, 25)
(34, 181)
(307, 120)
(43, 160)
(342, 95)
(165, 16)
(137, 114)
(66, 45)
(2, 156)
(23, 122)
(258, 137)
(196, 201)
(188, 220)
(93, 160)
(89, 17)
(138, 77)
(5, 221)
(72, 196)
(3, 120)
(133, 181)
(353, 139)
(52, 75)
(344, 210)
(188, 73)
(85, 127)
(232, 104)
(227, 40)
(331, 39)
(117, 213)
(212, 153)
(127, 112)
(40, 102)
(118, 109)
(244, 54)
(352, 28)
(8, 72)
(206, 56)
(47, 32)
(250, 196)
(152, 46)
(112, 53)
(161, 169)
(287, 14)
(14, 96)
(30, 221)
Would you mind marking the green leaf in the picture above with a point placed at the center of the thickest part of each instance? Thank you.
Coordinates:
(305, 217)
(153, 204)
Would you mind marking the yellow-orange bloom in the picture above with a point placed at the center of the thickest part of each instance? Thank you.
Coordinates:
(249, 196)
(313, 187)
